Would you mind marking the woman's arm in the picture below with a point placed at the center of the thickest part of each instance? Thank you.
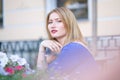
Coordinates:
(43, 58)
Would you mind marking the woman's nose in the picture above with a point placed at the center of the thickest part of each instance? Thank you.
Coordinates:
(53, 24)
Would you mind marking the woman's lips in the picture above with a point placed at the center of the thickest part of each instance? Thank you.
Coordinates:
(53, 31)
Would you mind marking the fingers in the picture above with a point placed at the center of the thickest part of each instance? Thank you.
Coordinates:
(58, 44)
(54, 46)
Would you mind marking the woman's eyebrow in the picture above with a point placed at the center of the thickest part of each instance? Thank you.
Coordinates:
(57, 18)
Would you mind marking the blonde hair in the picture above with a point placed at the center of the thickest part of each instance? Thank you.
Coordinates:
(70, 23)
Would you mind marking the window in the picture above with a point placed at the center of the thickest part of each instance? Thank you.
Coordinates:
(1, 16)
(78, 7)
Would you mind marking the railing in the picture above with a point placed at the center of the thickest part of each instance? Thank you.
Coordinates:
(106, 46)
(108, 50)
(27, 49)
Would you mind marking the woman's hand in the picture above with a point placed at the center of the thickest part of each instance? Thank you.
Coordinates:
(53, 45)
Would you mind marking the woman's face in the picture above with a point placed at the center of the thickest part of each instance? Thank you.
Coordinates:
(56, 26)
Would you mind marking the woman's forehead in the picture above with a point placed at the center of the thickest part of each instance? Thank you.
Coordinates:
(54, 16)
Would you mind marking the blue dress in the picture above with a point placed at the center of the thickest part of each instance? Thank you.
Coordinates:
(74, 59)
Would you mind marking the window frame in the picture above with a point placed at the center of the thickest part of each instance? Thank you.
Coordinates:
(53, 4)
(79, 8)
(1, 18)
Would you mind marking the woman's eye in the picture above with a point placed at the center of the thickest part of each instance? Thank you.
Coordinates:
(59, 21)
(49, 22)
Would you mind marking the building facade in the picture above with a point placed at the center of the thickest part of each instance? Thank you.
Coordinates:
(23, 24)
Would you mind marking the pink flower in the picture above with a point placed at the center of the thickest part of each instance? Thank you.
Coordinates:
(18, 68)
(9, 70)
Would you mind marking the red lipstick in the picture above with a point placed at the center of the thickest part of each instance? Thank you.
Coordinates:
(53, 31)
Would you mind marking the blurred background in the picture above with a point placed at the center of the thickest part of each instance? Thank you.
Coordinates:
(22, 27)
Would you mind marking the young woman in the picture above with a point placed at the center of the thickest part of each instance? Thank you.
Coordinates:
(65, 51)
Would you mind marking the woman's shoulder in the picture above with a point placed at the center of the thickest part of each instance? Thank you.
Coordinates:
(75, 44)
(76, 47)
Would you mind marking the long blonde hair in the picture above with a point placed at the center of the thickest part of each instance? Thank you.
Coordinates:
(70, 23)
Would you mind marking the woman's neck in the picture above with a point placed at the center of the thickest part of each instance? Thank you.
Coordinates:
(61, 40)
